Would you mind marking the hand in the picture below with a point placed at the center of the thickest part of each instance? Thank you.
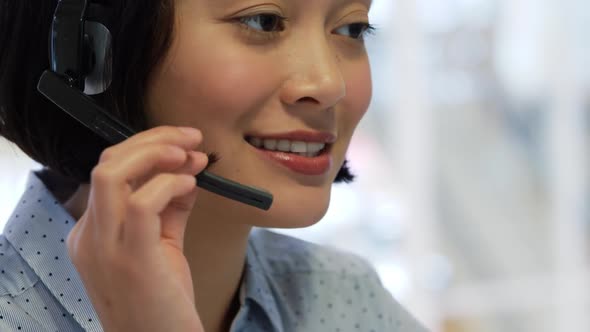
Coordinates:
(128, 244)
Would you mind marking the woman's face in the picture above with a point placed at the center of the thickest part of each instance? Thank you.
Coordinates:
(237, 69)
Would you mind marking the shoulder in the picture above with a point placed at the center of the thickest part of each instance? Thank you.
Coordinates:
(340, 287)
(283, 254)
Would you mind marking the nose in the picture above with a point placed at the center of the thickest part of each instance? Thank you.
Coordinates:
(315, 79)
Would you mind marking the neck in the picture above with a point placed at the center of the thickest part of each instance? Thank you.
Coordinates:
(215, 248)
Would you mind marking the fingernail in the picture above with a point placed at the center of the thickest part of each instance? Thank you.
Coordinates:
(199, 156)
(203, 157)
(190, 131)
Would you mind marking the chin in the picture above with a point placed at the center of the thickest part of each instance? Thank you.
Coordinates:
(296, 210)
(290, 217)
(292, 207)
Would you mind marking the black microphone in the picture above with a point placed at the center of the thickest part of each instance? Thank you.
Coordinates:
(86, 111)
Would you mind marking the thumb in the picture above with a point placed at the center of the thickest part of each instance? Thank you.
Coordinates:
(175, 216)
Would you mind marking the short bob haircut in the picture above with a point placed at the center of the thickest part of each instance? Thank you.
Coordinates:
(142, 34)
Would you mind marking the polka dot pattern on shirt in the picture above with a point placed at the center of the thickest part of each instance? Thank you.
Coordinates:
(289, 284)
(327, 290)
(46, 268)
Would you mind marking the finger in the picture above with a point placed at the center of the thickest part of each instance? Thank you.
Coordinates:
(112, 183)
(188, 140)
(174, 218)
(142, 229)
(178, 211)
(195, 163)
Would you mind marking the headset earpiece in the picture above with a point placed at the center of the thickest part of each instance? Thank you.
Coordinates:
(88, 57)
(79, 45)
(97, 58)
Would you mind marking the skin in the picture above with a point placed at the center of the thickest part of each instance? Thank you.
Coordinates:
(228, 79)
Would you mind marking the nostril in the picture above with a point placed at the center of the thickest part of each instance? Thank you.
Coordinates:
(308, 100)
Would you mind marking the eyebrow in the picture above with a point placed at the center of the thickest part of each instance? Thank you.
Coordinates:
(368, 2)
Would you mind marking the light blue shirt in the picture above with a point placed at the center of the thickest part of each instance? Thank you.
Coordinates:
(289, 284)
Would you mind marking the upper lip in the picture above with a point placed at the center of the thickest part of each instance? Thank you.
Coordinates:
(299, 135)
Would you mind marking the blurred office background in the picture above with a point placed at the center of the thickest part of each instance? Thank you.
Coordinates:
(473, 191)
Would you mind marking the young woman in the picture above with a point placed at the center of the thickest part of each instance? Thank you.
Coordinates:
(119, 238)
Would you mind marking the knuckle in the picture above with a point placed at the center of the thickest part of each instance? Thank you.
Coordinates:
(164, 150)
(136, 206)
(73, 247)
(99, 175)
(71, 244)
(106, 154)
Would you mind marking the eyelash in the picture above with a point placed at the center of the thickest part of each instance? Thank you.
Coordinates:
(243, 21)
(367, 28)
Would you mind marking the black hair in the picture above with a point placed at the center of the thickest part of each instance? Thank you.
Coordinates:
(142, 34)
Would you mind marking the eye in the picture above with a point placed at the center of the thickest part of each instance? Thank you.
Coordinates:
(264, 22)
(356, 30)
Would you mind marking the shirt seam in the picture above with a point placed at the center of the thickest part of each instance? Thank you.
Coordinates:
(21, 291)
(24, 261)
(368, 276)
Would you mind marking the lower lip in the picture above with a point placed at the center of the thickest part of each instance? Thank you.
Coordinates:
(318, 165)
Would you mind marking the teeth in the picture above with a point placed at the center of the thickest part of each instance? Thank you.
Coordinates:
(298, 147)
(257, 142)
(315, 147)
(269, 144)
(284, 145)
(307, 149)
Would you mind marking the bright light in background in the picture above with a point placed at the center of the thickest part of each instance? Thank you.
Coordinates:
(437, 273)
(14, 168)
(387, 219)
(381, 12)
(395, 278)
(521, 41)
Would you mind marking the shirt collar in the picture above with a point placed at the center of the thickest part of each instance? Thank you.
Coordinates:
(37, 229)
(40, 222)
(258, 287)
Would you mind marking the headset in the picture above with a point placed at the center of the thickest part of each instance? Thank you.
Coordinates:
(80, 61)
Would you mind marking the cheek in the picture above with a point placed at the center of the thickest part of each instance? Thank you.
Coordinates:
(211, 84)
(359, 92)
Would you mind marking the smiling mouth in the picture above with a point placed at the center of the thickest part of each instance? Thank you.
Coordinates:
(301, 148)
(305, 158)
